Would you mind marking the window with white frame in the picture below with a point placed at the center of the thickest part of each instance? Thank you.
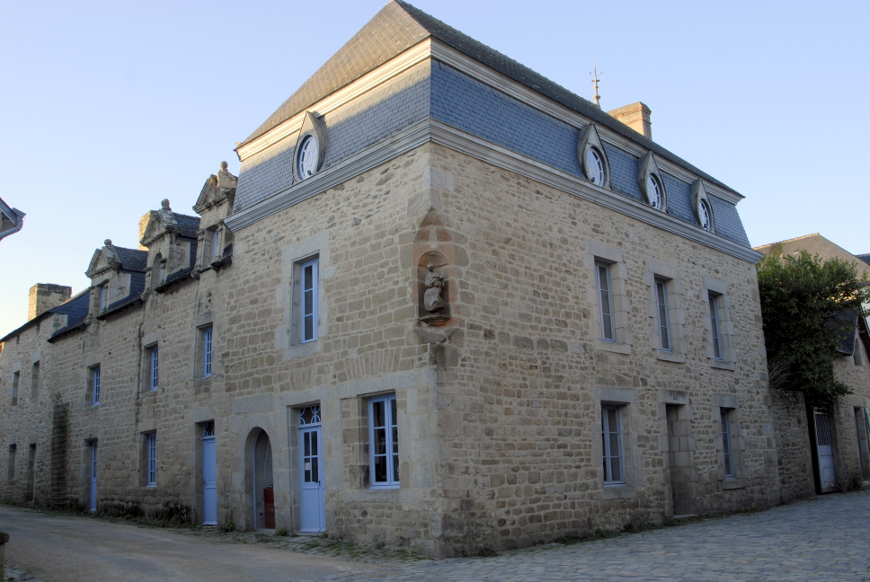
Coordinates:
(151, 459)
(611, 438)
(715, 325)
(662, 310)
(383, 442)
(153, 363)
(104, 297)
(10, 463)
(95, 385)
(16, 379)
(727, 442)
(216, 244)
(206, 351)
(605, 300)
(308, 299)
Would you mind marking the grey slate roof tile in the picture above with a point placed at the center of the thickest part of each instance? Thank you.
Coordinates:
(132, 259)
(189, 225)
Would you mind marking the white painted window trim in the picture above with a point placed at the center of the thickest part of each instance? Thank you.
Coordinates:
(151, 459)
(391, 442)
(601, 254)
(716, 291)
(676, 318)
(308, 300)
(207, 342)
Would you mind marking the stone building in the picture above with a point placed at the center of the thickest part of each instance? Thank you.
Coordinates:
(447, 305)
(821, 451)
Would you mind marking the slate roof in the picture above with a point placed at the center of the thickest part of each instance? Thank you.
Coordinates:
(75, 308)
(398, 27)
(189, 225)
(132, 259)
(865, 258)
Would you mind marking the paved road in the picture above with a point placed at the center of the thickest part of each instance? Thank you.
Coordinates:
(825, 539)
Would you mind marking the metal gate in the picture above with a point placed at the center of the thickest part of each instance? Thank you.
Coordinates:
(825, 451)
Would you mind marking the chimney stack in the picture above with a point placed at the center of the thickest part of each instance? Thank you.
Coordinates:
(636, 116)
(45, 296)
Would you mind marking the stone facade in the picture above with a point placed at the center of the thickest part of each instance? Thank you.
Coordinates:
(848, 458)
(413, 321)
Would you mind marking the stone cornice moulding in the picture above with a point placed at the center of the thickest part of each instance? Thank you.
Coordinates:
(431, 48)
(457, 140)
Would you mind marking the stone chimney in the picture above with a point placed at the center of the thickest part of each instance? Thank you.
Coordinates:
(45, 296)
(636, 116)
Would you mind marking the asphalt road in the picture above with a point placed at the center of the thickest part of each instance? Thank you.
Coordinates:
(60, 548)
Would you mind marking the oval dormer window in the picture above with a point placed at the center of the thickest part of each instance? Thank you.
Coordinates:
(704, 215)
(594, 167)
(306, 160)
(654, 191)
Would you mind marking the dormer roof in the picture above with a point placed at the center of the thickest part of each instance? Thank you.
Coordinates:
(165, 221)
(113, 257)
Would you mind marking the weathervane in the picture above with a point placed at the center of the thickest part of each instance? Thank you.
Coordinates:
(597, 97)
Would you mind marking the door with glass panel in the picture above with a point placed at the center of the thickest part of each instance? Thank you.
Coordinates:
(209, 476)
(312, 509)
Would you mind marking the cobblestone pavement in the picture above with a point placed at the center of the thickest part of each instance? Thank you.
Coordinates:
(824, 539)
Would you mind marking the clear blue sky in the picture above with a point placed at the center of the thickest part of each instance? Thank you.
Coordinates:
(108, 107)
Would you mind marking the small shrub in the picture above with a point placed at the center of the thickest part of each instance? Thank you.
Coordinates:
(228, 526)
(282, 531)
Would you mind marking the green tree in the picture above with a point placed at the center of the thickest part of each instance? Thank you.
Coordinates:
(808, 306)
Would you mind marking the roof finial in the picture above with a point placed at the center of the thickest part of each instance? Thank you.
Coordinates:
(597, 97)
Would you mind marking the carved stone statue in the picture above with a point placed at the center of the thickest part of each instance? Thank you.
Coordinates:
(434, 283)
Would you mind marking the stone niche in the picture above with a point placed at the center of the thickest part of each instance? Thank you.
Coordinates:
(433, 292)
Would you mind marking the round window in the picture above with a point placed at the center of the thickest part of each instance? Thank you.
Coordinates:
(654, 192)
(594, 167)
(704, 214)
(306, 159)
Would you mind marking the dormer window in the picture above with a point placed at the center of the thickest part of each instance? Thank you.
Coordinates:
(703, 208)
(649, 178)
(158, 271)
(310, 148)
(215, 244)
(591, 156)
(594, 167)
(654, 191)
(104, 297)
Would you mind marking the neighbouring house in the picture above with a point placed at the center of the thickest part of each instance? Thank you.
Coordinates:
(827, 450)
(11, 220)
(447, 305)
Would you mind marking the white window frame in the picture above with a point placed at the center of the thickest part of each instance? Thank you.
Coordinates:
(151, 459)
(713, 313)
(216, 244)
(95, 385)
(605, 300)
(207, 340)
(610, 414)
(727, 443)
(104, 297)
(153, 368)
(308, 299)
(718, 325)
(663, 314)
(390, 451)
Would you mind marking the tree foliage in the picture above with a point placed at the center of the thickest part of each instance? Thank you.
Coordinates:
(808, 306)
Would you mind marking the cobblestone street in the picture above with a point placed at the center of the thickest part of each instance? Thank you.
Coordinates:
(823, 539)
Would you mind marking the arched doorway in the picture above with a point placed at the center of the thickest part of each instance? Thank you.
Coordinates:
(263, 495)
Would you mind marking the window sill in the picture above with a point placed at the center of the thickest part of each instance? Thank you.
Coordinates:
(671, 357)
(301, 350)
(618, 491)
(614, 347)
(722, 365)
(382, 487)
(731, 483)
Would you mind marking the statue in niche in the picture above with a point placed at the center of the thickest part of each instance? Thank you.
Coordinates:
(434, 282)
